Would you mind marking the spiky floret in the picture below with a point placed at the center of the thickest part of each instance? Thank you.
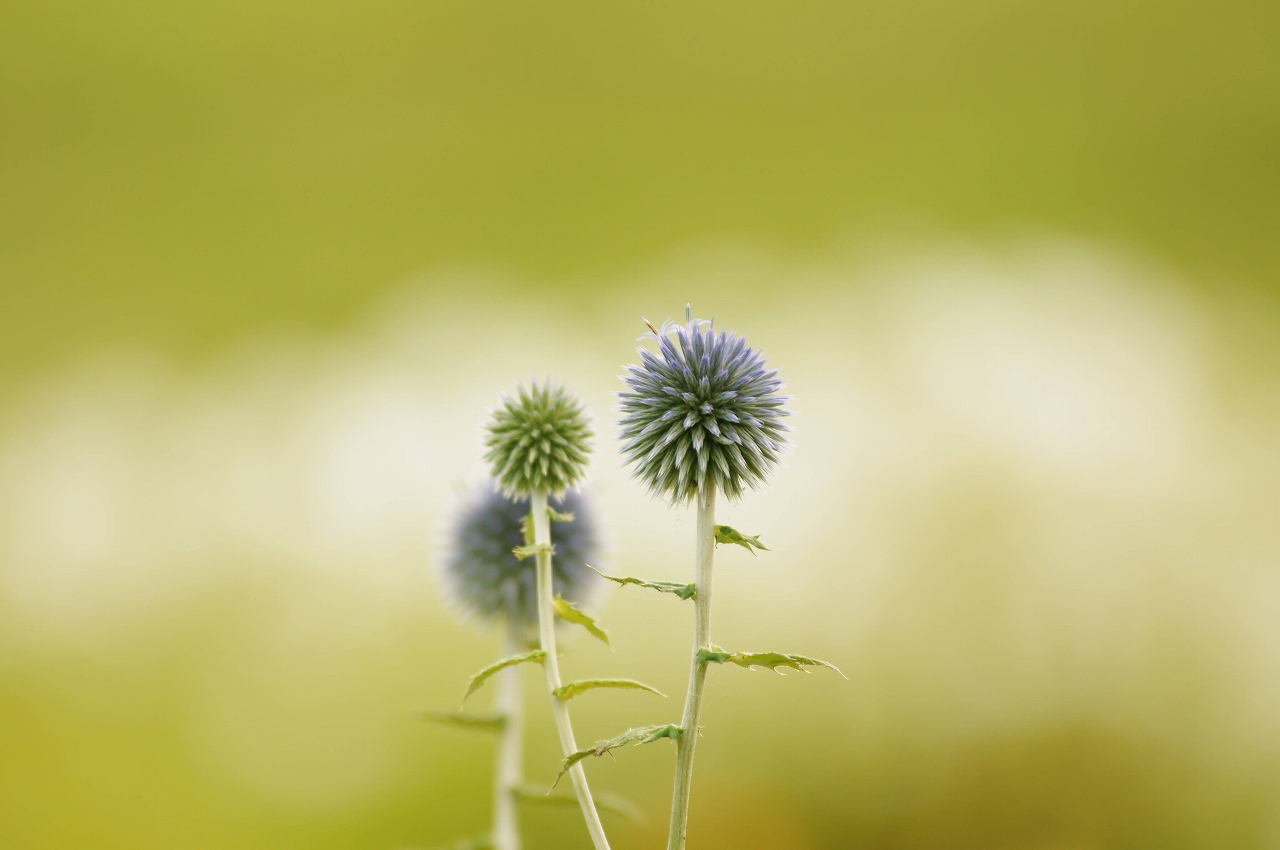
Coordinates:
(704, 411)
(486, 579)
(538, 440)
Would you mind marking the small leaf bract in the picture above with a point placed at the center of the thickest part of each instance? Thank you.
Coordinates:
(566, 611)
(480, 678)
(725, 534)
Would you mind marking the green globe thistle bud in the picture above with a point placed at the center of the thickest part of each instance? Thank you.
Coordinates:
(703, 412)
(538, 440)
(484, 578)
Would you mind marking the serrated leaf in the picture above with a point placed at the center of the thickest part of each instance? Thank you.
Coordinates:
(480, 678)
(479, 722)
(522, 552)
(559, 516)
(642, 735)
(771, 660)
(774, 660)
(725, 534)
(574, 688)
(605, 801)
(566, 611)
(684, 591)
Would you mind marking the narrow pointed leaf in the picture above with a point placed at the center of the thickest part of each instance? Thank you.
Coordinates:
(560, 516)
(771, 660)
(479, 722)
(480, 678)
(604, 801)
(725, 534)
(522, 552)
(684, 591)
(642, 735)
(566, 611)
(574, 688)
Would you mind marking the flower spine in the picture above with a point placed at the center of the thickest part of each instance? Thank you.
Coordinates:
(702, 413)
(538, 439)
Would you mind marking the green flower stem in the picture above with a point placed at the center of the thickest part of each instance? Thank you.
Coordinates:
(508, 702)
(550, 665)
(704, 553)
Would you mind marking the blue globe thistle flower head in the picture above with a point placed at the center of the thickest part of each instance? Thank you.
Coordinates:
(702, 412)
(538, 440)
(489, 583)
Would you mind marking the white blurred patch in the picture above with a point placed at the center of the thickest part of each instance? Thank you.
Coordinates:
(85, 523)
(1009, 476)
(1060, 359)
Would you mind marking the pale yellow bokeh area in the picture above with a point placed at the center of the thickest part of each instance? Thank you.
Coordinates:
(1031, 512)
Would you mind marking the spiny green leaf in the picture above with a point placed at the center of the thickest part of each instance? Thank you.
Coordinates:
(526, 527)
(642, 735)
(566, 611)
(604, 801)
(479, 722)
(522, 552)
(684, 591)
(479, 679)
(772, 660)
(559, 516)
(574, 688)
(725, 534)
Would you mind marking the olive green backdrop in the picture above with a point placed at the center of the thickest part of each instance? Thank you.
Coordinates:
(264, 265)
(179, 173)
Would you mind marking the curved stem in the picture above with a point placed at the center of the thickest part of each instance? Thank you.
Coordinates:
(551, 666)
(704, 553)
(508, 770)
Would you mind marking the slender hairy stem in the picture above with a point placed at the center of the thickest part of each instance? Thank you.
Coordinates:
(508, 771)
(547, 633)
(705, 551)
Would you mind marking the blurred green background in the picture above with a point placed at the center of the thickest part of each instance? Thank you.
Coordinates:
(265, 266)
